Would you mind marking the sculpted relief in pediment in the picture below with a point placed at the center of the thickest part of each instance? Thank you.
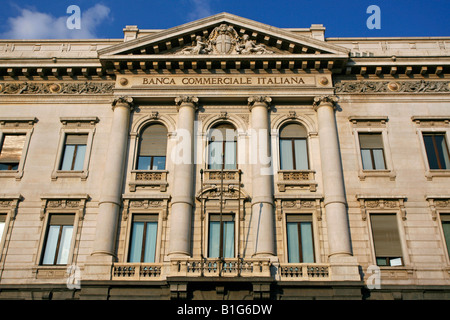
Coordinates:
(225, 40)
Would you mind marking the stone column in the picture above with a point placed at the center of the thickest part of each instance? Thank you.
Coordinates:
(262, 189)
(333, 179)
(183, 188)
(103, 253)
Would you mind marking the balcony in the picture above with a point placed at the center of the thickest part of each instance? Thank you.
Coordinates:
(232, 267)
(296, 179)
(153, 179)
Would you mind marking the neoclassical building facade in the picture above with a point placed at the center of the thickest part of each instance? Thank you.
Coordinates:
(225, 159)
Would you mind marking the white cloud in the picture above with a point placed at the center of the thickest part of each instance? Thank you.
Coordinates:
(32, 24)
(200, 9)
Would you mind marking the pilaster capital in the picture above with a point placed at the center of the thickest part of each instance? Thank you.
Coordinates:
(263, 101)
(186, 101)
(322, 101)
(123, 101)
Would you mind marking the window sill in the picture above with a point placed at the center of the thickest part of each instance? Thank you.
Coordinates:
(148, 179)
(396, 273)
(363, 174)
(296, 179)
(17, 174)
(430, 174)
(69, 174)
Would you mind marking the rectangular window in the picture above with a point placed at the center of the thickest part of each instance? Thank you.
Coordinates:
(11, 151)
(58, 239)
(143, 238)
(220, 152)
(74, 152)
(221, 236)
(437, 150)
(388, 251)
(300, 239)
(372, 153)
(2, 224)
(446, 228)
(293, 154)
(151, 163)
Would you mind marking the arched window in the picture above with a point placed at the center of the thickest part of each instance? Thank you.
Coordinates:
(293, 147)
(222, 147)
(152, 148)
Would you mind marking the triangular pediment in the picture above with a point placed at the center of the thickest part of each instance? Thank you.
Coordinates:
(222, 36)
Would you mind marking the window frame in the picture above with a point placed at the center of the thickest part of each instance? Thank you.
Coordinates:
(310, 220)
(9, 209)
(17, 126)
(364, 128)
(74, 126)
(138, 147)
(155, 218)
(433, 134)
(224, 142)
(208, 233)
(432, 124)
(401, 235)
(307, 147)
(68, 205)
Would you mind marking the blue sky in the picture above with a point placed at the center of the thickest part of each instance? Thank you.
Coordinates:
(22, 19)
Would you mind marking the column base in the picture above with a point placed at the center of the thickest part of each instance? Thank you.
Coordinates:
(344, 268)
(98, 267)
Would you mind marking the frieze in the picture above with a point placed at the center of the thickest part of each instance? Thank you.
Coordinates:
(418, 86)
(18, 88)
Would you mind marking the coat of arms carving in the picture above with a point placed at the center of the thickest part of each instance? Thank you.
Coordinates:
(225, 40)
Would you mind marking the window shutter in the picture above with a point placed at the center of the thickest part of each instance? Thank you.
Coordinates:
(370, 141)
(76, 139)
(293, 130)
(385, 235)
(61, 219)
(153, 141)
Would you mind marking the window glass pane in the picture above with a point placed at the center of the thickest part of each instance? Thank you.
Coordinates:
(446, 228)
(79, 158)
(51, 244)
(12, 148)
(366, 159)
(159, 163)
(443, 151)
(215, 155)
(378, 157)
(286, 156)
(301, 155)
(431, 151)
(144, 163)
(307, 242)
(230, 155)
(228, 241)
(214, 239)
(64, 245)
(2, 226)
(69, 151)
(136, 242)
(150, 242)
(395, 262)
(293, 242)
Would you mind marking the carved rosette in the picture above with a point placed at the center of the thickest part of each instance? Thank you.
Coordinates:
(320, 101)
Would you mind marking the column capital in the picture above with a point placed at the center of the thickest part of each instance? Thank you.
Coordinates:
(187, 101)
(263, 101)
(321, 101)
(123, 101)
